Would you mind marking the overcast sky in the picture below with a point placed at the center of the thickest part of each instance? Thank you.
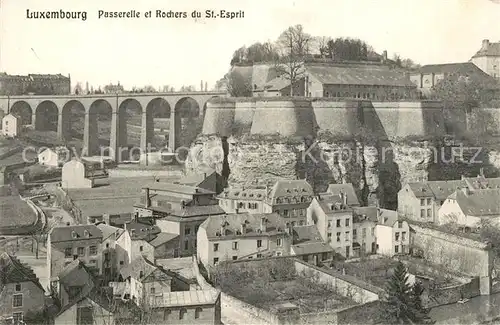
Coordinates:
(179, 52)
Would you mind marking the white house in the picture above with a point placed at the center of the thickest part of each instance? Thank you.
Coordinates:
(11, 125)
(468, 208)
(393, 235)
(54, 157)
(74, 175)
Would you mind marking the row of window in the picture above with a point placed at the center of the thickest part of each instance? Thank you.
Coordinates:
(187, 230)
(425, 213)
(235, 245)
(403, 235)
(80, 251)
(182, 313)
(404, 249)
(339, 223)
(354, 234)
(293, 213)
(394, 96)
(424, 202)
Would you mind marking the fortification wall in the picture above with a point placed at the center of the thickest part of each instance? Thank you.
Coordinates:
(302, 116)
(460, 254)
(285, 117)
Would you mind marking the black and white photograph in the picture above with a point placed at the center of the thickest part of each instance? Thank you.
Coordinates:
(237, 162)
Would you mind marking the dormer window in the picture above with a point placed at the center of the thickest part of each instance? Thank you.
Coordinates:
(74, 234)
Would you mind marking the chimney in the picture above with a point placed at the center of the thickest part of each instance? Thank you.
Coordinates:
(485, 45)
(384, 56)
(243, 227)
(148, 199)
(263, 224)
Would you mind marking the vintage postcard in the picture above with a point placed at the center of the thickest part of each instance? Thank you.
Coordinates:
(249, 162)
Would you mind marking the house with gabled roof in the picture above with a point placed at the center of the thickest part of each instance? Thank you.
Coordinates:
(242, 236)
(308, 245)
(209, 180)
(487, 58)
(393, 234)
(144, 279)
(73, 282)
(21, 293)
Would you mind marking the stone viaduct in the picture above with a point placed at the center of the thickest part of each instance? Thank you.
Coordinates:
(35, 109)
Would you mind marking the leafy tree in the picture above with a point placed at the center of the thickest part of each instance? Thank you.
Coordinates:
(78, 90)
(348, 49)
(238, 85)
(404, 305)
(257, 52)
(294, 44)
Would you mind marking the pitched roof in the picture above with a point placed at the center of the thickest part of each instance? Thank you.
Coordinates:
(186, 298)
(492, 50)
(177, 188)
(244, 193)
(294, 190)
(139, 266)
(277, 84)
(108, 230)
(102, 296)
(59, 234)
(162, 238)
(195, 179)
(369, 75)
(14, 271)
(479, 203)
(142, 229)
(361, 214)
(348, 189)
(312, 248)
(462, 68)
(232, 225)
(439, 190)
(303, 234)
(387, 217)
(331, 204)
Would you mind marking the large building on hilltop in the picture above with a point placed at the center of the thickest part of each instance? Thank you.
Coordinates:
(488, 58)
(38, 84)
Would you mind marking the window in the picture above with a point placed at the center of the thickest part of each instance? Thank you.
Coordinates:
(216, 260)
(259, 243)
(285, 213)
(141, 274)
(422, 213)
(373, 231)
(397, 236)
(152, 290)
(347, 251)
(93, 250)
(17, 317)
(403, 235)
(429, 201)
(235, 258)
(182, 312)
(338, 236)
(429, 213)
(141, 248)
(396, 249)
(68, 252)
(107, 245)
(216, 247)
(354, 234)
(329, 224)
(278, 253)
(338, 222)
(18, 287)
(363, 232)
(347, 222)
(329, 235)
(17, 300)
(259, 255)
(403, 249)
(121, 262)
(166, 314)
(186, 244)
(363, 247)
(347, 236)
(279, 242)
(187, 231)
(422, 202)
(81, 251)
(235, 245)
(93, 261)
(197, 312)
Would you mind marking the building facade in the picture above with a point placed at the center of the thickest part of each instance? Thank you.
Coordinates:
(242, 236)
(11, 126)
(488, 58)
(38, 84)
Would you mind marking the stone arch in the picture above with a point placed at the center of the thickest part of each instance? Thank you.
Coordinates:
(97, 133)
(129, 119)
(187, 107)
(158, 114)
(22, 110)
(72, 119)
(46, 116)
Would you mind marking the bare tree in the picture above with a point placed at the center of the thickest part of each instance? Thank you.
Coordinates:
(321, 44)
(293, 47)
(78, 90)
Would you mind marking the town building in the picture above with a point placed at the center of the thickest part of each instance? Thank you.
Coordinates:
(468, 208)
(488, 58)
(54, 157)
(211, 181)
(364, 221)
(290, 199)
(363, 80)
(428, 76)
(11, 125)
(333, 217)
(392, 234)
(21, 295)
(187, 307)
(95, 308)
(110, 236)
(243, 199)
(421, 201)
(144, 279)
(65, 244)
(242, 236)
(75, 175)
(113, 89)
(38, 84)
(308, 245)
(178, 209)
(346, 189)
(73, 282)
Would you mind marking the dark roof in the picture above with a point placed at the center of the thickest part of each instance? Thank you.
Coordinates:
(291, 191)
(108, 230)
(142, 229)
(348, 189)
(312, 248)
(195, 179)
(479, 203)
(462, 69)
(331, 204)
(303, 234)
(59, 234)
(71, 275)
(492, 50)
(244, 193)
(361, 214)
(142, 264)
(232, 225)
(13, 271)
(439, 190)
(103, 296)
(369, 75)
(162, 238)
(186, 298)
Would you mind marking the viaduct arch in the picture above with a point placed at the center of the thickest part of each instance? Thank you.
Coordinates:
(54, 112)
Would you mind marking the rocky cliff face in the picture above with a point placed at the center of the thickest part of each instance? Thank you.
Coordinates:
(377, 173)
